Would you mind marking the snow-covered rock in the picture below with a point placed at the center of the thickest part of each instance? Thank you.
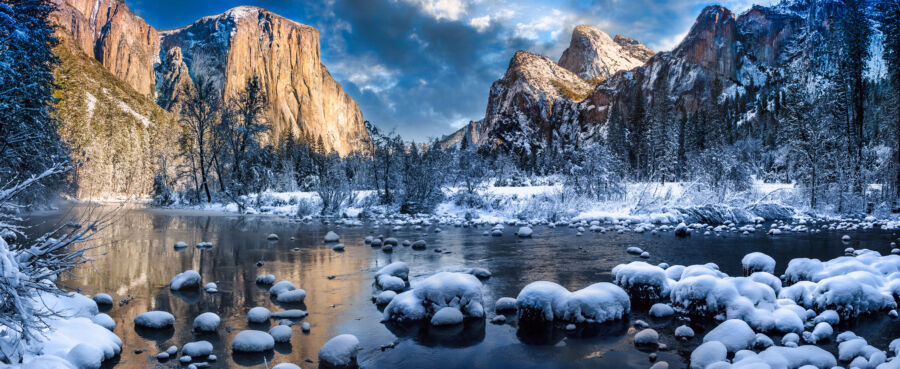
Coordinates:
(447, 316)
(444, 289)
(735, 334)
(185, 280)
(758, 262)
(293, 296)
(339, 352)
(154, 319)
(505, 305)
(252, 341)
(102, 299)
(542, 301)
(281, 333)
(197, 349)
(332, 237)
(265, 279)
(646, 337)
(281, 287)
(258, 314)
(661, 310)
(524, 232)
(708, 353)
(644, 282)
(393, 277)
(684, 332)
(207, 322)
(104, 321)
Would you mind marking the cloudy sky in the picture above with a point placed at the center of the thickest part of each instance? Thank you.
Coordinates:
(424, 67)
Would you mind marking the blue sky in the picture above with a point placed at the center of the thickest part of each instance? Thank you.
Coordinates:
(424, 67)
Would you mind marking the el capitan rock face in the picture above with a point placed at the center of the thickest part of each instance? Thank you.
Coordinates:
(224, 49)
(594, 56)
(120, 40)
(246, 42)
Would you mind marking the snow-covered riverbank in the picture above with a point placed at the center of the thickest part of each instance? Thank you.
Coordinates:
(657, 203)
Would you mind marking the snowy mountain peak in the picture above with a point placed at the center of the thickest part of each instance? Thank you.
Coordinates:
(593, 55)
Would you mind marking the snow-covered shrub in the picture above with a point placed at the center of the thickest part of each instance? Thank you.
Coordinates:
(28, 268)
(161, 192)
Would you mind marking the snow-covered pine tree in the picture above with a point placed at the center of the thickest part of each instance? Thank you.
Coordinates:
(29, 143)
(855, 30)
(889, 11)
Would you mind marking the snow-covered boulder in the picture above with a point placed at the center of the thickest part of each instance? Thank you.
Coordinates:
(293, 296)
(646, 337)
(684, 332)
(735, 334)
(102, 299)
(385, 297)
(444, 289)
(332, 237)
(393, 277)
(708, 353)
(258, 315)
(505, 305)
(281, 333)
(447, 316)
(524, 232)
(645, 283)
(597, 303)
(252, 341)
(281, 287)
(543, 302)
(104, 321)
(85, 356)
(758, 262)
(154, 319)
(265, 279)
(661, 310)
(286, 366)
(207, 322)
(197, 349)
(185, 280)
(290, 314)
(702, 296)
(339, 352)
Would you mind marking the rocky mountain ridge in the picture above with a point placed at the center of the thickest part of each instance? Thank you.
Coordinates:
(728, 69)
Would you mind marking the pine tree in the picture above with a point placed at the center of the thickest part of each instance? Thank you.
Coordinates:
(890, 27)
(29, 143)
(854, 32)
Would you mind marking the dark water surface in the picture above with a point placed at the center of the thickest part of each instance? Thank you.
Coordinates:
(135, 257)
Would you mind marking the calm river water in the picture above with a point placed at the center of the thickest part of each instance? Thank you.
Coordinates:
(135, 257)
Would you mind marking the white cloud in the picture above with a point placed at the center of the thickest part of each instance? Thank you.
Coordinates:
(367, 75)
(442, 9)
(533, 30)
(480, 23)
(668, 43)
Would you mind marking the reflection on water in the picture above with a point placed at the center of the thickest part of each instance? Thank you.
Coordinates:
(136, 258)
